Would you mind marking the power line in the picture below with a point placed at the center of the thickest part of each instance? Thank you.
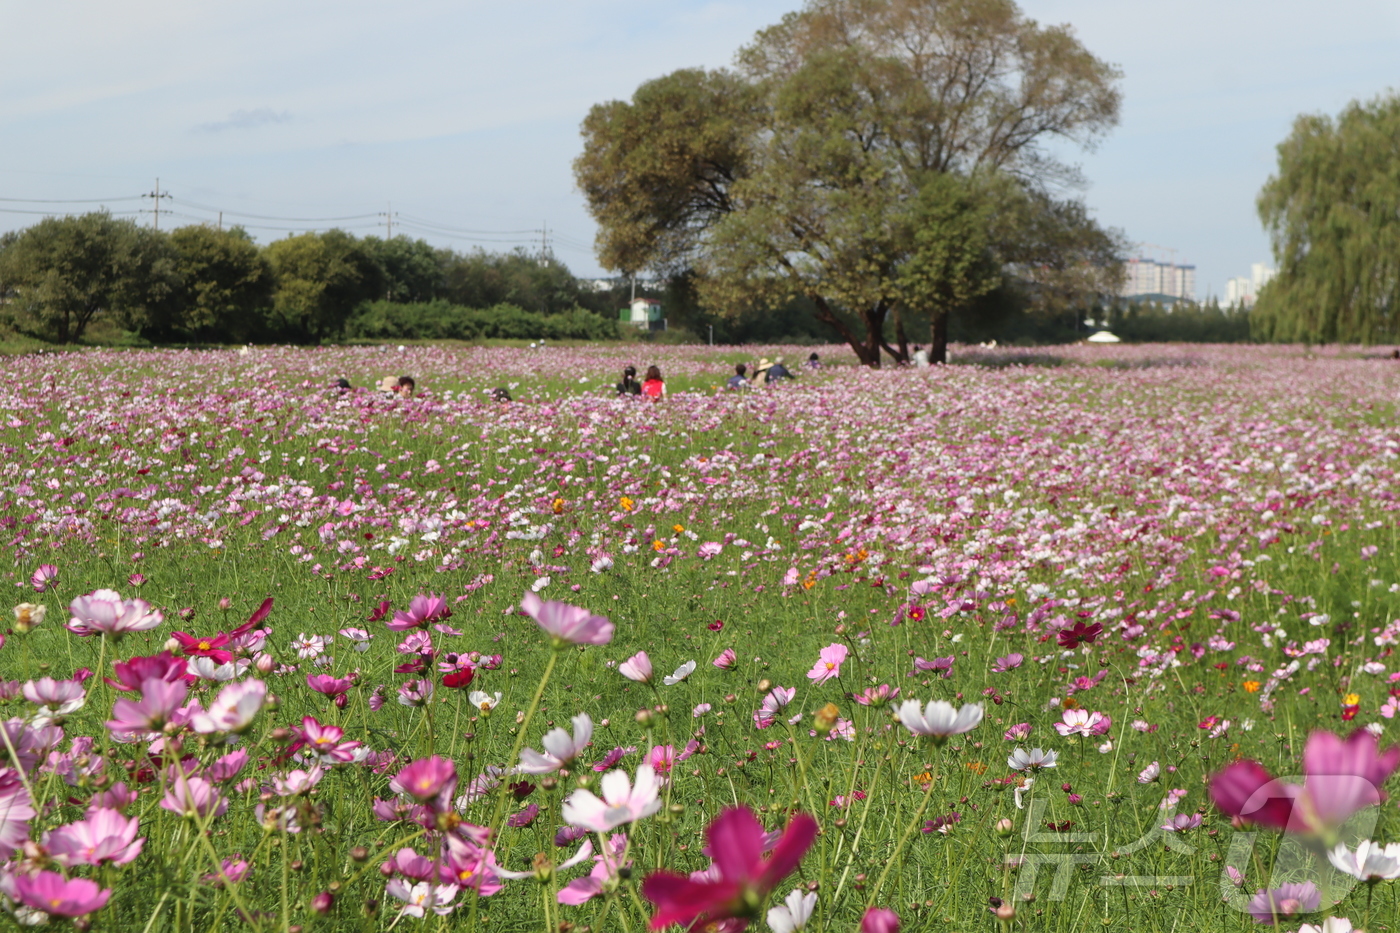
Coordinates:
(135, 197)
(205, 207)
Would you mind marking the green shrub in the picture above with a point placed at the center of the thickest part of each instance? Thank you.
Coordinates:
(439, 320)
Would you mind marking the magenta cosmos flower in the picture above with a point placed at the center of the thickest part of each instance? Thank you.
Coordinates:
(104, 612)
(745, 879)
(50, 892)
(1342, 776)
(567, 624)
(427, 780)
(879, 920)
(828, 664)
(422, 610)
(16, 810)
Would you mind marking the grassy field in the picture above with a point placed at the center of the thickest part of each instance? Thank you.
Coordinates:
(1184, 556)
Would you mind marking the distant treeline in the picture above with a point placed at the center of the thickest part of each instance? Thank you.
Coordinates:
(201, 284)
(198, 284)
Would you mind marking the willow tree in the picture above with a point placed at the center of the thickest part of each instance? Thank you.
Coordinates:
(1333, 214)
(806, 169)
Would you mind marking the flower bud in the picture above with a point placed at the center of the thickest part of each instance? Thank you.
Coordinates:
(765, 685)
(1005, 913)
(824, 718)
(323, 902)
(225, 604)
(1004, 827)
(265, 663)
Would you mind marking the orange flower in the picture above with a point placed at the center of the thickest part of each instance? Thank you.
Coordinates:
(678, 528)
(625, 504)
(558, 506)
(658, 545)
(1251, 686)
(976, 767)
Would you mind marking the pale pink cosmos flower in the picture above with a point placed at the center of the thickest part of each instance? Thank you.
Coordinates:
(559, 748)
(325, 741)
(104, 612)
(777, 698)
(606, 866)
(1080, 722)
(233, 710)
(681, 673)
(416, 692)
(708, 550)
(424, 896)
(56, 697)
(1018, 732)
(1370, 862)
(104, 836)
(622, 802)
(194, 797)
(637, 667)
(828, 664)
(726, 660)
(298, 781)
(567, 624)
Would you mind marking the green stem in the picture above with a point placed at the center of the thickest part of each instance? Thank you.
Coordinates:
(913, 827)
(520, 740)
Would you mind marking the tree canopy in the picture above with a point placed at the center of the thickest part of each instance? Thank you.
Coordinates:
(816, 167)
(1332, 210)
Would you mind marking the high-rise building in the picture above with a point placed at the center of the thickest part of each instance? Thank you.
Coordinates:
(1243, 291)
(1148, 277)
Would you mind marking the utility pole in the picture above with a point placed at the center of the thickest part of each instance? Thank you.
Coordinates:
(389, 222)
(157, 195)
(221, 221)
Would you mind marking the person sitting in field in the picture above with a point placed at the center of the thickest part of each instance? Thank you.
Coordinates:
(405, 387)
(814, 362)
(740, 378)
(629, 384)
(920, 357)
(500, 394)
(654, 387)
(777, 372)
(342, 385)
(760, 372)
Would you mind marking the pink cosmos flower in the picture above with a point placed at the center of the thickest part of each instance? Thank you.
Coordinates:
(567, 624)
(876, 696)
(708, 550)
(1008, 663)
(49, 892)
(468, 865)
(828, 664)
(879, 920)
(1342, 776)
(227, 767)
(416, 692)
(726, 660)
(622, 803)
(637, 667)
(422, 610)
(745, 879)
(159, 701)
(45, 577)
(327, 742)
(1270, 905)
(16, 810)
(606, 866)
(613, 757)
(57, 697)
(104, 612)
(105, 836)
(424, 896)
(194, 797)
(330, 686)
(427, 780)
(942, 666)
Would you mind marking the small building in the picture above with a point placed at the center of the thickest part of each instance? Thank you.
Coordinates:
(643, 314)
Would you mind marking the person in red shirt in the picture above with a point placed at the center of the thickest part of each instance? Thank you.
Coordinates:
(654, 387)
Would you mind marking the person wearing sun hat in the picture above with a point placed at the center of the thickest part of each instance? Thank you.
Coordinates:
(760, 372)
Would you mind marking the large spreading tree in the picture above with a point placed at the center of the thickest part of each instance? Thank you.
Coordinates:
(1333, 213)
(859, 155)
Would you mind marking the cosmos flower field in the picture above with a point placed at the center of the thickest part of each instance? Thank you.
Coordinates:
(1080, 638)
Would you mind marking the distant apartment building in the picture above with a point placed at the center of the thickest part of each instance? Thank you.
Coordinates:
(1148, 278)
(1242, 292)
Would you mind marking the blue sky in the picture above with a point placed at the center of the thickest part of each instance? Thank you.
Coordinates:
(463, 116)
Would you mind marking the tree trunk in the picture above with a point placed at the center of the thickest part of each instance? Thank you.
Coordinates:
(829, 318)
(938, 338)
(900, 337)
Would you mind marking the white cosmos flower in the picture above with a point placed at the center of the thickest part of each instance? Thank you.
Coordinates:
(483, 700)
(622, 802)
(233, 710)
(681, 673)
(1033, 760)
(793, 913)
(1330, 925)
(939, 719)
(1021, 790)
(1369, 862)
(559, 748)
